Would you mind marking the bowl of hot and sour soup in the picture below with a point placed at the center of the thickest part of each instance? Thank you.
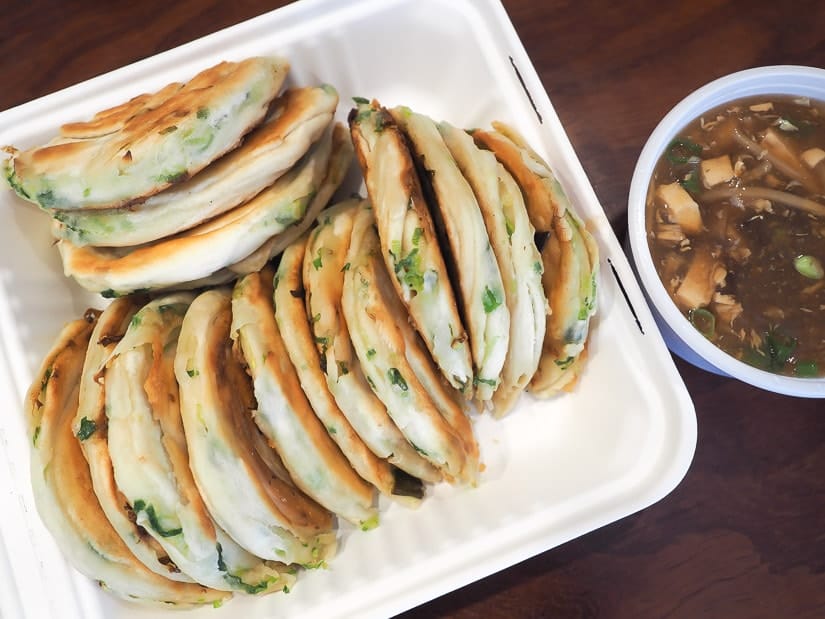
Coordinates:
(726, 224)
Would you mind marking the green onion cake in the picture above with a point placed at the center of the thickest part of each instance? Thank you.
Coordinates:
(151, 461)
(63, 490)
(373, 322)
(284, 414)
(323, 279)
(91, 429)
(409, 245)
(214, 245)
(243, 483)
(297, 120)
(569, 255)
(512, 239)
(291, 316)
(143, 146)
(467, 250)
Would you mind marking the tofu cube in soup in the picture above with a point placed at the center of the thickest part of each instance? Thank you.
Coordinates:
(701, 279)
(813, 157)
(681, 208)
(716, 171)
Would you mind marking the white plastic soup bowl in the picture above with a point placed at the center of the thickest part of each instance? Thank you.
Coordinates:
(681, 337)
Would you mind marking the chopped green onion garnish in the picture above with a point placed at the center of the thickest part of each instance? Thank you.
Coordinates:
(691, 182)
(704, 321)
(809, 266)
(87, 428)
(396, 379)
(681, 149)
(806, 369)
(779, 348)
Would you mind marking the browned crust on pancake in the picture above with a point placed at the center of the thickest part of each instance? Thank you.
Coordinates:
(258, 289)
(236, 394)
(114, 118)
(140, 124)
(542, 209)
(291, 313)
(52, 400)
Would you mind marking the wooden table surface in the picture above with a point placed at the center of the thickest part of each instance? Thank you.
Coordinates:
(744, 534)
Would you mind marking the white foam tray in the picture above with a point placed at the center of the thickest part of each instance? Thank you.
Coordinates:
(554, 469)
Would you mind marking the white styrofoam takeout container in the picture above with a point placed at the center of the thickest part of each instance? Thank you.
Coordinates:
(681, 337)
(555, 469)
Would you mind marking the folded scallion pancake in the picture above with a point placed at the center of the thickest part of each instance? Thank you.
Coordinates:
(294, 326)
(374, 325)
(231, 464)
(223, 241)
(151, 460)
(284, 414)
(323, 279)
(447, 400)
(91, 429)
(143, 146)
(63, 490)
(512, 240)
(570, 278)
(466, 246)
(297, 120)
(569, 254)
(409, 245)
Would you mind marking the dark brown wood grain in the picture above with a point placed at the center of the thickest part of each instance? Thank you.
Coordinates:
(744, 534)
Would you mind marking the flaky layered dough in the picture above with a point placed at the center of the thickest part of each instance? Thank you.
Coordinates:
(325, 264)
(63, 487)
(151, 460)
(470, 259)
(294, 325)
(137, 149)
(284, 414)
(203, 251)
(396, 363)
(570, 260)
(409, 244)
(91, 428)
(512, 241)
(297, 119)
(252, 499)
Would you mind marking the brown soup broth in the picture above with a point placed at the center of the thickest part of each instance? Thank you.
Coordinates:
(736, 228)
